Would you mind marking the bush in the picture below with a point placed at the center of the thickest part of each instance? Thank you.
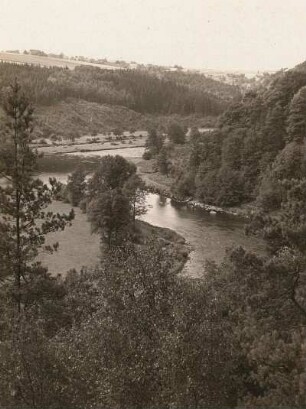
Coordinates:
(147, 155)
(176, 133)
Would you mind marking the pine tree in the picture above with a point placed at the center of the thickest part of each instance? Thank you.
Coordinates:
(24, 220)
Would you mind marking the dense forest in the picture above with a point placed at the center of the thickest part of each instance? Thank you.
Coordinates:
(137, 90)
(258, 144)
(256, 156)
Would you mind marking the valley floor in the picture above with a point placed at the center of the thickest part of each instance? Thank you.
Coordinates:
(78, 247)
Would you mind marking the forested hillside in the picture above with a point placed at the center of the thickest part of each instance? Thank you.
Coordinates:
(258, 155)
(138, 90)
(259, 142)
(93, 100)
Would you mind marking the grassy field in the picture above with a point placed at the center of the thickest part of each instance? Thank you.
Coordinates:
(49, 61)
(89, 143)
(77, 246)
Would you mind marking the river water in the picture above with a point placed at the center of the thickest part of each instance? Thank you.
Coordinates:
(208, 235)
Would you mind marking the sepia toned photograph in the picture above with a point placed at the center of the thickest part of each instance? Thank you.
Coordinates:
(152, 204)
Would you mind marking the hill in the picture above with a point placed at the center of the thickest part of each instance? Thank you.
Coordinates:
(90, 99)
(73, 118)
(259, 142)
(47, 61)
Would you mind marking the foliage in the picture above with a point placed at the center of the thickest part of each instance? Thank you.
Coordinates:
(174, 355)
(259, 140)
(154, 144)
(76, 186)
(134, 190)
(163, 162)
(138, 90)
(115, 197)
(24, 222)
(31, 300)
(259, 152)
(176, 133)
(112, 173)
(297, 115)
(109, 215)
(258, 301)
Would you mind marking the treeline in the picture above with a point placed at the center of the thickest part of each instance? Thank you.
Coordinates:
(259, 142)
(137, 90)
(205, 84)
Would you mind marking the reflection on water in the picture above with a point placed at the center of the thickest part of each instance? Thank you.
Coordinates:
(209, 235)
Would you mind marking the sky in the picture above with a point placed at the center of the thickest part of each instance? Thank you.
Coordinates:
(209, 34)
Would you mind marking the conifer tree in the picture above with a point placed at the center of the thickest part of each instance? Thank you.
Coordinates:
(24, 219)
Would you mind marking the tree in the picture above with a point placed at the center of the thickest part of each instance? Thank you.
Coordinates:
(154, 143)
(163, 162)
(118, 132)
(109, 208)
(176, 133)
(31, 299)
(153, 339)
(230, 190)
(23, 223)
(268, 338)
(274, 130)
(194, 134)
(112, 173)
(134, 189)
(297, 117)
(109, 215)
(76, 186)
(231, 151)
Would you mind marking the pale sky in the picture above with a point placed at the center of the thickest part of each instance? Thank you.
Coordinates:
(216, 34)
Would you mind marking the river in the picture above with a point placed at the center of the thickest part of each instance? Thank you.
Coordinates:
(208, 235)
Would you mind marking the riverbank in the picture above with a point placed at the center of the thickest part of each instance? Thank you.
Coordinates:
(170, 241)
(208, 235)
(93, 144)
(161, 184)
(79, 247)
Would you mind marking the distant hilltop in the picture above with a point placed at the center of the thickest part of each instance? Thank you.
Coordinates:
(39, 57)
